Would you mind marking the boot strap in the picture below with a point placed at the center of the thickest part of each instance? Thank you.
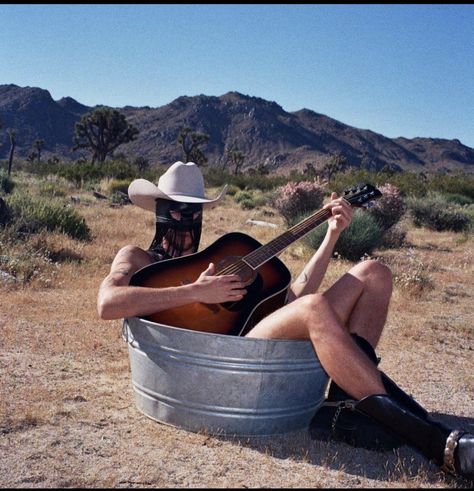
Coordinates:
(346, 404)
(451, 444)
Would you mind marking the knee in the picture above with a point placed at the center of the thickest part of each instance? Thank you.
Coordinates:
(316, 312)
(375, 273)
(311, 303)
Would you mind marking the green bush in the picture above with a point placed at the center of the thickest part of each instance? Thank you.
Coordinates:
(232, 190)
(458, 199)
(436, 214)
(359, 239)
(248, 199)
(6, 183)
(80, 173)
(215, 177)
(408, 183)
(51, 189)
(453, 183)
(30, 215)
(119, 185)
(118, 169)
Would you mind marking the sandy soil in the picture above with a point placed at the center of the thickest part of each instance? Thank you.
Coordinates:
(68, 417)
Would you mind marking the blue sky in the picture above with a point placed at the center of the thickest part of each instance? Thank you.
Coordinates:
(398, 70)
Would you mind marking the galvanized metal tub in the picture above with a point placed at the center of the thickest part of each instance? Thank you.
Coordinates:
(223, 384)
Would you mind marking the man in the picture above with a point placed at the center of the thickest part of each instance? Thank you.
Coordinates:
(344, 323)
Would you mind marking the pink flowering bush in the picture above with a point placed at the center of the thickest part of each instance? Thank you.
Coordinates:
(298, 198)
(389, 208)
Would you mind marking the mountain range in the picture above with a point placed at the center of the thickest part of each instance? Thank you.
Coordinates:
(262, 130)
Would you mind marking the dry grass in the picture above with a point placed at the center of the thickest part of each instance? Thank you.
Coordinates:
(67, 415)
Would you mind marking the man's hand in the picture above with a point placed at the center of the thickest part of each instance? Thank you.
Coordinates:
(218, 289)
(341, 212)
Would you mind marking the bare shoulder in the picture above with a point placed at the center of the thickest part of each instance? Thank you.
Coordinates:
(128, 260)
(132, 255)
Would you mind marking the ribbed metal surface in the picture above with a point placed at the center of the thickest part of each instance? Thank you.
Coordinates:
(223, 384)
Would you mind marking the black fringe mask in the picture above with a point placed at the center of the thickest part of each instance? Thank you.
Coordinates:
(173, 229)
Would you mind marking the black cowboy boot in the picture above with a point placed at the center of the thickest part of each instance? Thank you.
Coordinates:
(337, 419)
(452, 450)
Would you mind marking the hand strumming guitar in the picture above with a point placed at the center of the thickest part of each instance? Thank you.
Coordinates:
(218, 289)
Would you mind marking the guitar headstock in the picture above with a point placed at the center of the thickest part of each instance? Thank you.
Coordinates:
(361, 194)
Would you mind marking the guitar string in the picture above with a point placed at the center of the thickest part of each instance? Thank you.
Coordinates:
(238, 266)
(300, 227)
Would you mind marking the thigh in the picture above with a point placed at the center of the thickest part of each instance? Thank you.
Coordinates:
(285, 323)
(343, 296)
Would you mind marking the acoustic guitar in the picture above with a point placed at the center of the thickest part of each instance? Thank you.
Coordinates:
(266, 278)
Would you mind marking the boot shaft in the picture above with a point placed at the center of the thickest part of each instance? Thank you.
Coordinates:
(452, 450)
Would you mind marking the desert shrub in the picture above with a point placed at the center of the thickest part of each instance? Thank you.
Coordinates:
(453, 183)
(359, 239)
(458, 199)
(436, 214)
(389, 208)
(51, 189)
(118, 185)
(410, 276)
(469, 212)
(215, 177)
(232, 189)
(30, 215)
(118, 169)
(248, 199)
(343, 181)
(6, 183)
(27, 266)
(296, 199)
(80, 172)
(408, 183)
(34, 260)
(394, 237)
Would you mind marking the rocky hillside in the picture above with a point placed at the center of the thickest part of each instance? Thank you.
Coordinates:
(260, 129)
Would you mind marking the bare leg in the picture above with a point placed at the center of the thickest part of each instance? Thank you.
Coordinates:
(360, 299)
(323, 320)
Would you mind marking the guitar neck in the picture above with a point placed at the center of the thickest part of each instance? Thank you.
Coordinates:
(264, 253)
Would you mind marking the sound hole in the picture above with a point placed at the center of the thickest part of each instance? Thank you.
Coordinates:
(251, 279)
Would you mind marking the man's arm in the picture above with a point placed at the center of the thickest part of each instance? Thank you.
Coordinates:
(117, 299)
(313, 273)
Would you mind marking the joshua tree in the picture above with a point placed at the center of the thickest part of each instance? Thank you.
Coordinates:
(142, 163)
(190, 141)
(102, 131)
(236, 158)
(39, 146)
(12, 134)
(336, 163)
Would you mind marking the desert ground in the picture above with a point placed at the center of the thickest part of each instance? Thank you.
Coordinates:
(68, 417)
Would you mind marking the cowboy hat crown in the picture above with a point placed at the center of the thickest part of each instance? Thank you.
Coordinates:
(181, 182)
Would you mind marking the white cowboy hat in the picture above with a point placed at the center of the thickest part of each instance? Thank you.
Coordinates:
(181, 182)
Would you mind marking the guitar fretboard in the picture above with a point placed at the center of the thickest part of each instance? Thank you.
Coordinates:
(264, 253)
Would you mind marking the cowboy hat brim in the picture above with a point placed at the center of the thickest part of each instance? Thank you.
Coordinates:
(144, 194)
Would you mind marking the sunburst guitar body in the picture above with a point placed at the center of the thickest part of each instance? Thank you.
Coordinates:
(266, 278)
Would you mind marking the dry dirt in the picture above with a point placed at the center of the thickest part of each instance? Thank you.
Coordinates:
(67, 414)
